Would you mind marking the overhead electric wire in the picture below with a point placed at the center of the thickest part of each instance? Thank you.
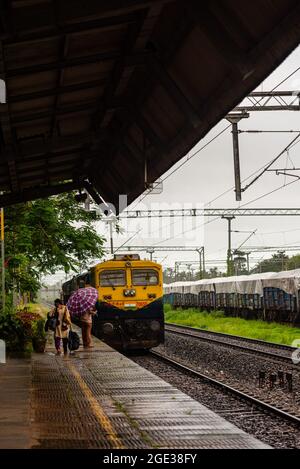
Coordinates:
(244, 205)
(286, 79)
(187, 160)
(209, 203)
(269, 131)
(224, 130)
(217, 218)
(269, 193)
(263, 168)
(196, 152)
(249, 237)
(128, 240)
(288, 147)
(279, 232)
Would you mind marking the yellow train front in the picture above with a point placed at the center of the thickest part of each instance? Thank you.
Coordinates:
(130, 302)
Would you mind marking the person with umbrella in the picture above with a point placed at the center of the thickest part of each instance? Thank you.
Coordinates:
(86, 327)
(82, 304)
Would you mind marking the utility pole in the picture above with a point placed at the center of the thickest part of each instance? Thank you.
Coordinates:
(234, 119)
(112, 220)
(201, 264)
(111, 236)
(189, 267)
(151, 252)
(248, 262)
(177, 271)
(229, 251)
(2, 259)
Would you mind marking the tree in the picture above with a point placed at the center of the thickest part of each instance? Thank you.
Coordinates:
(169, 275)
(294, 262)
(214, 272)
(277, 263)
(240, 263)
(47, 235)
(183, 276)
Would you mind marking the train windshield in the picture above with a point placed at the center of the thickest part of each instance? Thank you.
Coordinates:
(112, 278)
(144, 277)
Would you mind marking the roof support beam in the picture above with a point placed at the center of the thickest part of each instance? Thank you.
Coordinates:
(174, 91)
(102, 24)
(137, 36)
(37, 193)
(58, 90)
(221, 40)
(60, 79)
(88, 59)
(230, 21)
(149, 133)
(88, 106)
(32, 148)
(93, 193)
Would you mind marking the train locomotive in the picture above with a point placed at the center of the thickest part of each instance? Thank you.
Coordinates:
(268, 296)
(130, 301)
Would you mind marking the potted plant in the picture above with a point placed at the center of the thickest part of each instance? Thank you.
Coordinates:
(39, 336)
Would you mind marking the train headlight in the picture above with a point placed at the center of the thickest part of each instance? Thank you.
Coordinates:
(129, 292)
(151, 296)
(154, 326)
(108, 328)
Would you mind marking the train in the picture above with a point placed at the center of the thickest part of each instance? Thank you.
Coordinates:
(267, 296)
(130, 301)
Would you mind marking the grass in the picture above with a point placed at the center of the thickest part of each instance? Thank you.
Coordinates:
(218, 322)
(37, 308)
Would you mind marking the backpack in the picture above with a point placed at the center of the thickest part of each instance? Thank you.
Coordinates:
(73, 341)
(51, 323)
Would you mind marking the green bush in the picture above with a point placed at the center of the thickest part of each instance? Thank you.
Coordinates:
(39, 329)
(13, 333)
(19, 328)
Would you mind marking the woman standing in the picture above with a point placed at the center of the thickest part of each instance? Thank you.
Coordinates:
(63, 323)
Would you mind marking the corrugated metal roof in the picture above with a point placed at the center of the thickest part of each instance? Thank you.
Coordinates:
(96, 88)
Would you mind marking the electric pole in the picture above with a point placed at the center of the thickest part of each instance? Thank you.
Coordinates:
(151, 252)
(229, 251)
(111, 237)
(248, 261)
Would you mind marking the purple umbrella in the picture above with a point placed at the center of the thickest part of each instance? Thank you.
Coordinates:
(82, 300)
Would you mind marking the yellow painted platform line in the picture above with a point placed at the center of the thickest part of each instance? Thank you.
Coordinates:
(97, 410)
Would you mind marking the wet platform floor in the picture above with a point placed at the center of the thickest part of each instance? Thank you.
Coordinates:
(101, 399)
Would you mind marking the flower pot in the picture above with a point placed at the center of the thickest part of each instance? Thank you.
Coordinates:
(39, 345)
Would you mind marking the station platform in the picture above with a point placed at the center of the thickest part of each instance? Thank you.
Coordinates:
(101, 399)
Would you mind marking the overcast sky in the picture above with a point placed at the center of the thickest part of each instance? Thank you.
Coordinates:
(210, 173)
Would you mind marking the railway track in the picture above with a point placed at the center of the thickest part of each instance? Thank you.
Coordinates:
(268, 350)
(271, 409)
